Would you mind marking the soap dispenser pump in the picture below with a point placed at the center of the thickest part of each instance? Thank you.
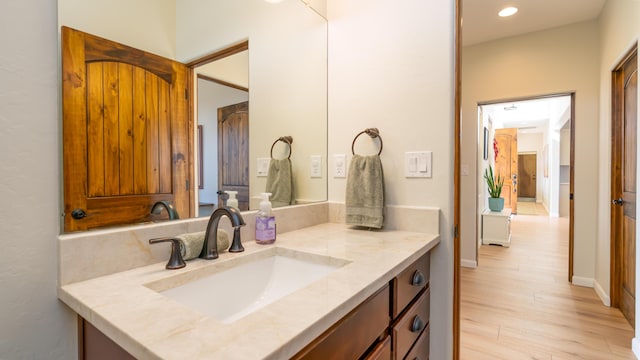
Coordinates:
(232, 201)
(265, 222)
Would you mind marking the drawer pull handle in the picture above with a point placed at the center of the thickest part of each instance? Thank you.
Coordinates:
(417, 279)
(417, 324)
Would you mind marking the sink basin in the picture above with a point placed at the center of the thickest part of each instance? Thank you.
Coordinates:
(252, 282)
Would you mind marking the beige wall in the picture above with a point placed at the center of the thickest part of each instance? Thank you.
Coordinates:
(619, 30)
(555, 61)
(148, 25)
(287, 77)
(391, 67)
(35, 325)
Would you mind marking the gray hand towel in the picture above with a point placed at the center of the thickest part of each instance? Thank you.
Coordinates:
(365, 192)
(191, 243)
(280, 182)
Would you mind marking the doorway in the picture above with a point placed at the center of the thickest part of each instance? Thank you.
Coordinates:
(539, 155)
(527, 174)
(221, 80)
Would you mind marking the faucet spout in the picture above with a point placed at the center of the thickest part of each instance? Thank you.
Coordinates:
(156, 209)
(210, 246)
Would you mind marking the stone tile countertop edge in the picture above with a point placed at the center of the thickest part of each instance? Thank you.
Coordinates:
(151, 326)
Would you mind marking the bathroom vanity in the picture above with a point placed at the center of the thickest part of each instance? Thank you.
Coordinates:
(375, 304)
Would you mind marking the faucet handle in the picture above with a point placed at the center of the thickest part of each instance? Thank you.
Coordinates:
(175, 260)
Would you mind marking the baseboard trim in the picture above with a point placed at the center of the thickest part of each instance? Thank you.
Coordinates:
(582, 281)
(469, 263)
(606, 300)
(635, 347)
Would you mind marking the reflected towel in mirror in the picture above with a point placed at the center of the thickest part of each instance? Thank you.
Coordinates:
(280, 182)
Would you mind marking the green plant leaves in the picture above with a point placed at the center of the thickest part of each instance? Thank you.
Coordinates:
(494, 184)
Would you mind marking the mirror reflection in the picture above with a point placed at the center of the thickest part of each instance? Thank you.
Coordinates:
(283, 81)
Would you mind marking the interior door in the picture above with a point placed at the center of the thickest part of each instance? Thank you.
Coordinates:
(527, 164)
(233, 151)
(507, 165)
(125, 132)
(623, 207)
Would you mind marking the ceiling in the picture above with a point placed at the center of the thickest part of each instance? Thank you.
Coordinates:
(529, 116)
(481, 22)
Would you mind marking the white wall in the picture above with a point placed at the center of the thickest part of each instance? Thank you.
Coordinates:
(391, 67)
(619, 30)
(35, 325)
(554, 61)
(148, 25)
(212, 96)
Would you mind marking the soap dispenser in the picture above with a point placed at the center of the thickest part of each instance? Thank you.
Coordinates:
(232, 201)
(265, 222)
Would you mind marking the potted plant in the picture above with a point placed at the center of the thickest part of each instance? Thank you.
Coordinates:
(494, 184)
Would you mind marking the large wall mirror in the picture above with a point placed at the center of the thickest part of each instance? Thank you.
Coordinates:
(281, 77)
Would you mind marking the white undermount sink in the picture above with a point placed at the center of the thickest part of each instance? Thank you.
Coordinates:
(254, 282)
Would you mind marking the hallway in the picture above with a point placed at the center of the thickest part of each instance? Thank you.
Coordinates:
(518, 304)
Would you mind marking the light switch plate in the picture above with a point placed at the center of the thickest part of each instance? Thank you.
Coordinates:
(417, 164)
(339, 166)
(464, 170)
(316, 166)
(263, 167)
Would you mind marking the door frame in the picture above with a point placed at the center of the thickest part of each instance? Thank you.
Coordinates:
(193, 99)
(572, 95)
(617, 114)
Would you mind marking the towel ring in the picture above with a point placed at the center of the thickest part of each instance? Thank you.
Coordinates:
(373, 133)
(285, 139)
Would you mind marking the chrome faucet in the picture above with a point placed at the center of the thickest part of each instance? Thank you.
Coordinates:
(210, 247)
(156, 209)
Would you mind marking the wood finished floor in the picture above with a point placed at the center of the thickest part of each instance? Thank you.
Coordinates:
(518, 303)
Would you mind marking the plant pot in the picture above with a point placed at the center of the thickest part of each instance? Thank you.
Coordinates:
(496, 204)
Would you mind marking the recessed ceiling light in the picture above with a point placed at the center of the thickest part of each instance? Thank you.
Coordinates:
(508, 11)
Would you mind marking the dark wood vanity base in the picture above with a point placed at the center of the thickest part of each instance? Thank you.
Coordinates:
(391, 324)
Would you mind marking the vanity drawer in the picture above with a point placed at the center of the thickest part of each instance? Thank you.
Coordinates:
(382, 351)
(409, 283)
(409, 327)
(350, 337)
(420, 350)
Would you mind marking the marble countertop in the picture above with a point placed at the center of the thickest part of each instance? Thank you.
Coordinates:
(151, 326)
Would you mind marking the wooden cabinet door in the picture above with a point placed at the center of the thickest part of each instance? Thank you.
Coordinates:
(125, 132)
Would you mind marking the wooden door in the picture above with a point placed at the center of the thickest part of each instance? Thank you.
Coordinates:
(623, 182)
(527, 164)
(507, 165)
(233, 151)
(125, 132)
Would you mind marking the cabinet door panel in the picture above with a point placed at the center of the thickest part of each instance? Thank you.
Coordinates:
(353, 335)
